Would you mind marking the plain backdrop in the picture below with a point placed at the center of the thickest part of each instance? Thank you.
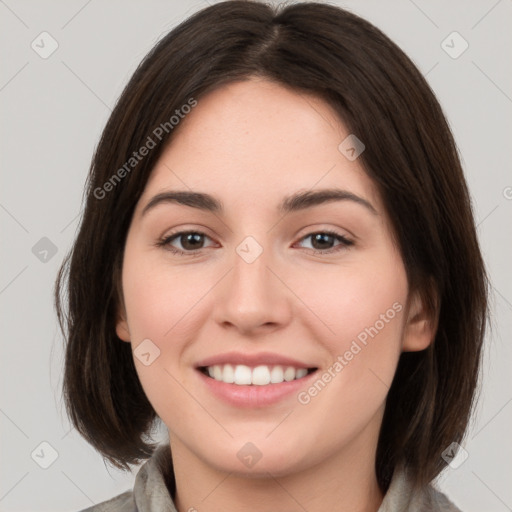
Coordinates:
(54, 108)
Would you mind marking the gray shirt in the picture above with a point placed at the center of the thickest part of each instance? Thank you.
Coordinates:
(150, 492)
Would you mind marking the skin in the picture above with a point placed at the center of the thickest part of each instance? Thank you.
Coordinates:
(250, 144)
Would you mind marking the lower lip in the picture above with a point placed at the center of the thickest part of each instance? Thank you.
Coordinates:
(254, 396)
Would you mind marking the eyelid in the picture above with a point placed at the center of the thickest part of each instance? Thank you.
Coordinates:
(320, 227)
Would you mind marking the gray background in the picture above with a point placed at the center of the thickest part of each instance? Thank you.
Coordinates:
(53, 111)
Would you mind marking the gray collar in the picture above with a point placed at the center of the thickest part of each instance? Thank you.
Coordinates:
(151, 494)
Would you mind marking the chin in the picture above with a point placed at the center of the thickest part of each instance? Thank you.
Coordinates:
(257, 458)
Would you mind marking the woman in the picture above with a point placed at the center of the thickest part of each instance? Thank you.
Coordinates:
(277, 259)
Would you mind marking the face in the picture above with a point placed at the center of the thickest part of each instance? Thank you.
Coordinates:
(265, 325)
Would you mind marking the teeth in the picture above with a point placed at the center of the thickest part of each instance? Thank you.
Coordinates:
(289, 374)
(277, 375)
(228, 374)
(262, 375)
(217, 372)
(242, 375)
(301, 372)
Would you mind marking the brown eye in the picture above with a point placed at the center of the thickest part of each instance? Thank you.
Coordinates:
(322, 241)
(184, 242)
(325, 241)
(191, 241)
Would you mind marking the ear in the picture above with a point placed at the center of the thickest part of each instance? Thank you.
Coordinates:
(122, 330)
(420, 327)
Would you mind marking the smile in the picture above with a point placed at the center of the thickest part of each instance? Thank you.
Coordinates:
(254, 380)
(262, 375)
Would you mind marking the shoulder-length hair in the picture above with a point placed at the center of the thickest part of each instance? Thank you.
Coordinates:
(410, 154)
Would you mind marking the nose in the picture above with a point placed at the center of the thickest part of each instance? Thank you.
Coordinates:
(252, 299)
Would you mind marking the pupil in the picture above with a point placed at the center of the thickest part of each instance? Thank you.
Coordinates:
(192, 240)
(322, 238)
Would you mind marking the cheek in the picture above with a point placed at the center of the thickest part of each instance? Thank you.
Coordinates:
(346, 301)
(145, 300)
(359, 320)
(158, 297)
(161, 306)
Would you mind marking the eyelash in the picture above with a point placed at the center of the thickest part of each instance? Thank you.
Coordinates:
(165, 242)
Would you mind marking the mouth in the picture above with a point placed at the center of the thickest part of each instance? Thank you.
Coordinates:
(254, 380)
(261, 375)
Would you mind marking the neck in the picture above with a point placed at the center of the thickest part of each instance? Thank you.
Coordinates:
(344, 482)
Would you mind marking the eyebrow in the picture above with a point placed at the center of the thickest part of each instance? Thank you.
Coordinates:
(295, 202)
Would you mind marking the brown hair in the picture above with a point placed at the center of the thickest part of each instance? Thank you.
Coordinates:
(410, 155)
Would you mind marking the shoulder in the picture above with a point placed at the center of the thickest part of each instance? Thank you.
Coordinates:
(122, 503)
(402, 497)
(438, 501)
(153, 488)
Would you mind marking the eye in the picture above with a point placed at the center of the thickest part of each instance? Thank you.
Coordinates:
(323, 241)
(187, 241)
(191, 242)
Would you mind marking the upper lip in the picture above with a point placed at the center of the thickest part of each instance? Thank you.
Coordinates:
(252, 360)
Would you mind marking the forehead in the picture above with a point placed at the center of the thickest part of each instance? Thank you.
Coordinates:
(256, 141)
